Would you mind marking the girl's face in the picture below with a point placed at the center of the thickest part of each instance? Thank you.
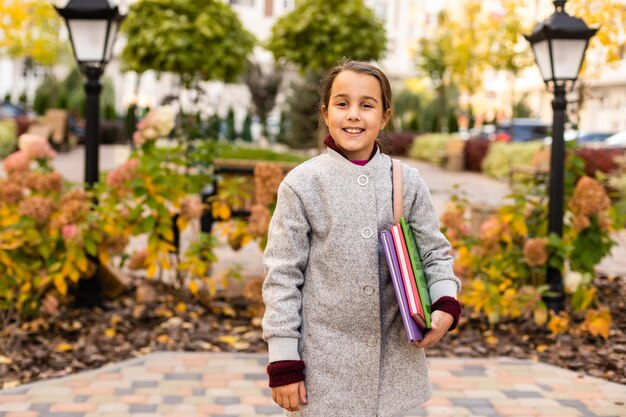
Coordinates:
(354, 114)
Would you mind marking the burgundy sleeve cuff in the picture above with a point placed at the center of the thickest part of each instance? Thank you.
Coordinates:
(285, 372)
(451, 306)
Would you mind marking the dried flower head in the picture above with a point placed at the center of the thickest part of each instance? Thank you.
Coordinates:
(71, 211)
(16, 162)
(76, 194)
(10, 193)
(589, 198)
(36, 147)
(123, 173)
(49, 183)
(535, 251)
(491, 231)
(38, 208)
(580, 222)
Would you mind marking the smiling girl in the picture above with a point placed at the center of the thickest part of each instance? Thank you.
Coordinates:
(330, 304)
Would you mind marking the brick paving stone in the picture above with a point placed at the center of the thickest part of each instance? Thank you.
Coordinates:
(22, 414)
(142, 408)
(522, 394)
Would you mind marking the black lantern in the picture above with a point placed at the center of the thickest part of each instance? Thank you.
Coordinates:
(559, 44)
(92, 26)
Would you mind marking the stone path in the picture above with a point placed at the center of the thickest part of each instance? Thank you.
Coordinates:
(172, 384)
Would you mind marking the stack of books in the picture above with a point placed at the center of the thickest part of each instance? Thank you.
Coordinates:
(409, 280)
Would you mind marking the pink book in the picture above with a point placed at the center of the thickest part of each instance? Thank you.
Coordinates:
(412, 330)
(406, 270)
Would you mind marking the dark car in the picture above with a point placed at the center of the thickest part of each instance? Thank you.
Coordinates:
(521, 130)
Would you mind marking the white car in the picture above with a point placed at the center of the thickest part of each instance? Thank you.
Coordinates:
(618, 140)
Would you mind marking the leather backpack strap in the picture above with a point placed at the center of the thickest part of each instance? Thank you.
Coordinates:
(398, 196)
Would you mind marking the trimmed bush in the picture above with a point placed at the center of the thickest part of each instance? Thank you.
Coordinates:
(398, 143)
(600, 159)
(8, 137)
(502, 157)
(430, 147)
(475, 152)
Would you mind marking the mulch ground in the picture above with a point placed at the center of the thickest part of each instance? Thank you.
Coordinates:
(146, 319)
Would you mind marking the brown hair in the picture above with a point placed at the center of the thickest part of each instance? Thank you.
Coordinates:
(359, 67)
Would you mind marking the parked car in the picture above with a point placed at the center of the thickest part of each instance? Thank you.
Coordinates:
(592, 137)
(521, 130)
(618, 140)
(485, 132)
(11, 111)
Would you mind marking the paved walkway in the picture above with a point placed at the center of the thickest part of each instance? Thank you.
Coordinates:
(218, 385)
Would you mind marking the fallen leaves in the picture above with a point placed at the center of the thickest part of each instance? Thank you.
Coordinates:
(72, 340)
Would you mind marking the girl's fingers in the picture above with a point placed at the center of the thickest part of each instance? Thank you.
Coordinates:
(302, 393)
(294, 405)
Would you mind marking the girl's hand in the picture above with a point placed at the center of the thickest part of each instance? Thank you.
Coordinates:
(440, 323)
(290, 396)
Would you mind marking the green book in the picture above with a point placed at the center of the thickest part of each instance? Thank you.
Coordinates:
(418, 269)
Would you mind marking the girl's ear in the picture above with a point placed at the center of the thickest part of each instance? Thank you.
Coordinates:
(324, 111)
(386, 118)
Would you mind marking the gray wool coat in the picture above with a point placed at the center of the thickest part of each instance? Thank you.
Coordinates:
(328, 295)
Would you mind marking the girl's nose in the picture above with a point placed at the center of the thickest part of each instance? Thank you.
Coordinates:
(353, 113)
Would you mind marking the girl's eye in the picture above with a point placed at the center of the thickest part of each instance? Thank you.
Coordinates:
(368, 106)
(342, 104)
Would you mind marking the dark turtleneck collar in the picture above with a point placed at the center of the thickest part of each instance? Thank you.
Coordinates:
(330, 142)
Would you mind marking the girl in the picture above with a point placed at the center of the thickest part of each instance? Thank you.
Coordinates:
(330, 303)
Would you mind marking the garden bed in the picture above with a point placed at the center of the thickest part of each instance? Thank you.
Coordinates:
(70, 340)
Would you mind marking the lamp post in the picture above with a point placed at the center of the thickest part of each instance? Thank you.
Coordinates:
(92, 26)
(559, 44)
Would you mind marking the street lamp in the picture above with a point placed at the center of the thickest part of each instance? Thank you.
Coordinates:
(559, 44)
(92, 26)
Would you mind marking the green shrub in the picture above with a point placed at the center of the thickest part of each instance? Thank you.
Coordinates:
(504, 156)
(430, 147)
(8, 137)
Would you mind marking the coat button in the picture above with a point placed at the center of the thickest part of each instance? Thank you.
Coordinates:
(371, 341)
(368, 289)
(363, 180)
(367, 233)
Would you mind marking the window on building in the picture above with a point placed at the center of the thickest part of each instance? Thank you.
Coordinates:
(269, 8)
(249, 3)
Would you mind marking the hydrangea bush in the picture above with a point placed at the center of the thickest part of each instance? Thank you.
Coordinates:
(503, 265)
(51, 233)
(47, 230)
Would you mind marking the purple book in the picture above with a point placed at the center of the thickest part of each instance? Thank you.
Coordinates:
(413, 332)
